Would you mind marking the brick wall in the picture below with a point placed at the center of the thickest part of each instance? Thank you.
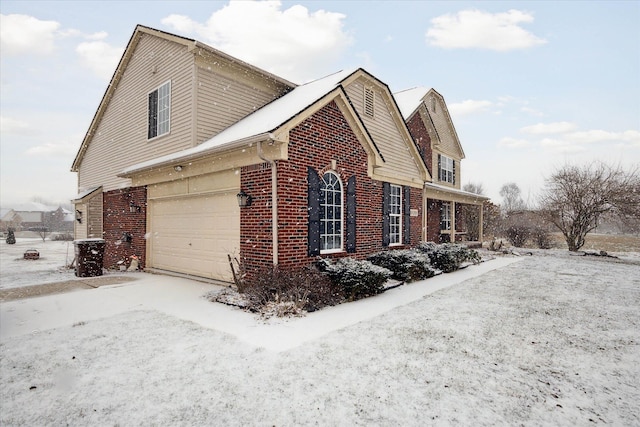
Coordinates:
(433, 220)
(118, 219)
(315, 142)
(420, 135)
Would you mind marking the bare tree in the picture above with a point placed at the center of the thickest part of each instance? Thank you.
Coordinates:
(575, 198)
(473, 187)
(511, 198)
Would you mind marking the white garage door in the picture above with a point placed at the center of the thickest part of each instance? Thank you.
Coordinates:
(194, 234)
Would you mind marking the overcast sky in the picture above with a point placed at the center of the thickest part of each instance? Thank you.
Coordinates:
(530, 85)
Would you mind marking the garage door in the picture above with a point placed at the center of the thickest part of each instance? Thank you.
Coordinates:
(194, 234)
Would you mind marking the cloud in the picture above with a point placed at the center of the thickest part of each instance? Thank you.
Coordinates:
(548, 128)
(294, 43)
(469, 106)
(561, 146)
(508, 142)
(482, 30)
(595, 136)
(11, 126)
(24, 35)
(99, 57)
(51, 149)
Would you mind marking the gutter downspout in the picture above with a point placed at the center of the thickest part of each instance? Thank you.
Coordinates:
(274, 202)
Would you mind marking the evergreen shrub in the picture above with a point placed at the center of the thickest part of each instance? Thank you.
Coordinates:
(448, 257)
(357, 279)
(406, 264)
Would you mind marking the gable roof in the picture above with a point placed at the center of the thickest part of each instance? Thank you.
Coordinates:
(190, 44)
(261, 124)
(410, 102)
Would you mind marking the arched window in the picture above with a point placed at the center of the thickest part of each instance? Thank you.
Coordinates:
(331, 229)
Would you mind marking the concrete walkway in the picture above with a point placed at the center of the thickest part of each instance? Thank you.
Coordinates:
(184, 299)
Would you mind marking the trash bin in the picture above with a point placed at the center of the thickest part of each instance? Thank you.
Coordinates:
(89, 255)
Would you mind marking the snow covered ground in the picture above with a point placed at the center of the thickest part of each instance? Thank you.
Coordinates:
(550, 340)
(15, 271)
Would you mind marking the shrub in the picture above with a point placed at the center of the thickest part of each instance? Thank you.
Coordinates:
(357, 279)
(406, 265)
(11, 237)
(61, 237)
(517, 234)
(291, 291)
(542, 238)
(448, 257)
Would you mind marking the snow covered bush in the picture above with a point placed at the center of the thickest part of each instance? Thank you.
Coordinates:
(448, 257)
(405, 264)
(357, 279)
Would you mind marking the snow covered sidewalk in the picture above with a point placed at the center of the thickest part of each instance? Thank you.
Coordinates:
(183, 298)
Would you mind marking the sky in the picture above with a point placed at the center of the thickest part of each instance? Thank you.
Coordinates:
(530, 86)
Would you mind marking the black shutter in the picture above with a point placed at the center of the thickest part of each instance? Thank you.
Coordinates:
(406, 226)
(439, 168)
(153, 115)
(454, 172)
(386, 196)
(313, 194)
(351, 215)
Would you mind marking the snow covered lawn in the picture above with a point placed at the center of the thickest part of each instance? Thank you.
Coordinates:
(551, 340)
(18, 272)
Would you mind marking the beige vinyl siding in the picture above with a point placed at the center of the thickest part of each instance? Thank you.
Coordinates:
(224, 100)
(448, 144)
(91, 213)
(120, 139)
(385, 132)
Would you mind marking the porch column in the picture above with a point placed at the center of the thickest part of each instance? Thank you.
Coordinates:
(481, 219)
(453, 222)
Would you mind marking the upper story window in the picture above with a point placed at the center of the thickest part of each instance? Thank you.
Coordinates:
(446, 169)
(330, 213)
(159, 111)
(369, 100)
(395, 215)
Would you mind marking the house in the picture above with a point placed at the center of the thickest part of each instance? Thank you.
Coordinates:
(35, 216)
(193, 156)
(430, 125)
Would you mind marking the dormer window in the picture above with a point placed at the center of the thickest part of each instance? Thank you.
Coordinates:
(159, 111)
(446, 169)
(369, 99)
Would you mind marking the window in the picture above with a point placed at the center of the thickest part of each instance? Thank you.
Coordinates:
(369, 98)
(330, 213)
(446, 169)
(445, 216)
(395, 215)
(159, 111)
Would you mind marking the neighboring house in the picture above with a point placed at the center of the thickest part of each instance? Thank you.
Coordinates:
(34, 215)
(430, 124)
(184, 132)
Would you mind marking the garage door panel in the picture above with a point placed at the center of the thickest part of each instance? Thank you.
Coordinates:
(193, 235)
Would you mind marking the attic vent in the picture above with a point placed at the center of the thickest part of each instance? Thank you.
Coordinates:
(369, 97)
(433, 104)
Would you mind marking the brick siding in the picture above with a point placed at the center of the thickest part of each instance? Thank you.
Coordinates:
(421, 136)
(315, 142)
(118, 219)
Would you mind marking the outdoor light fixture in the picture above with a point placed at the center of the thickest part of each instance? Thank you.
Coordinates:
(177, 168)
(244, 199)
(133, 208)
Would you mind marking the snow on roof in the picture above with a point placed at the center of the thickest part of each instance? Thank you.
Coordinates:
(409, 100)
(451, 190)
(85, 193)
(262, 121)
(34, 207)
